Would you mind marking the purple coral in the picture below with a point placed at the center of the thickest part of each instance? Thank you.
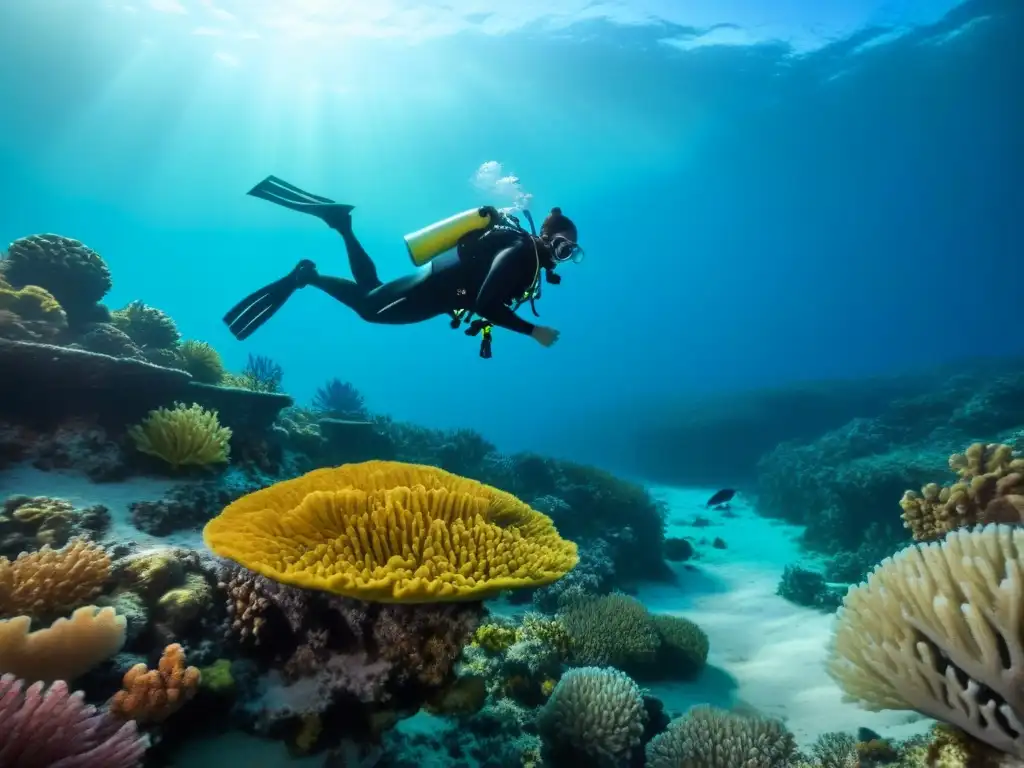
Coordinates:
(54, 728)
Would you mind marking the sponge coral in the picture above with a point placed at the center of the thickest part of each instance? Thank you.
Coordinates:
(937, 629)
(990, 490)
(76, 275)
(66, 649)
(183, 436)
(391, 532)
(707, 737)
(151, 696)
(594, 717)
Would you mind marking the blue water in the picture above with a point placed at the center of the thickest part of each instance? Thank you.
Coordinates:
(764, 196)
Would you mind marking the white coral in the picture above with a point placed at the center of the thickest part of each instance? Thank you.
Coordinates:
(938, 628)
(596, 713)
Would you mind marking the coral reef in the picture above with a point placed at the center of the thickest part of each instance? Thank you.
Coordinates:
(841, 485)
(70, 271)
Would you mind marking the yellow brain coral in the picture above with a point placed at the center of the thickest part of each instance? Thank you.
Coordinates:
(392, 532)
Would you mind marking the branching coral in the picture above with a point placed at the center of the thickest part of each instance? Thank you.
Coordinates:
(707, 737)
(51, 727)
(147, 326)
(52, 582)
(594, 717)
(937, 629)
(151, 696)
(63, 651)
(990, 490)
(391, 532)
(183, 436)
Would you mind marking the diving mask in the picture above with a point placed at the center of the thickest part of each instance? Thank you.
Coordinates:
(563, 249)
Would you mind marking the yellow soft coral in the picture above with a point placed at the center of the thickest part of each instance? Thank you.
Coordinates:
(494, 638)
(68, 648)
(990, 490)
(40, 314)
(391, 532)
(151, 696)
(183, 435)
(52, 582)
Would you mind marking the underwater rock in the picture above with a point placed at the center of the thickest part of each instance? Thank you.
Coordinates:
(678, 550)
(189, 505)
(354, 441)
(808, 588)
(57, 384)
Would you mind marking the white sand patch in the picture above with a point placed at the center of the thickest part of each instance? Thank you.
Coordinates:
(82, 492)
(766, 653)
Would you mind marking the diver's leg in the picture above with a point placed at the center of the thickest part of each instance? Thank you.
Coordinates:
(363, 269)
(409, 299)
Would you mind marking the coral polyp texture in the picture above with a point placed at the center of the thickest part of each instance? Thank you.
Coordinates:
(51, 727)
(183, 436)
(706, 737)
(937, 629)
(391, 532)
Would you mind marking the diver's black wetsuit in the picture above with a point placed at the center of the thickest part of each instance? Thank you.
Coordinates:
(484, 274)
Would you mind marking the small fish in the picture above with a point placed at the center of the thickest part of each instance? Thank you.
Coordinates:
(723, 496)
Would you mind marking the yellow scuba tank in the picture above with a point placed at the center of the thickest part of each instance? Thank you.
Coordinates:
(426, 243)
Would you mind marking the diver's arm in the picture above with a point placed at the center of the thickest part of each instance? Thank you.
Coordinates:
(507, 269)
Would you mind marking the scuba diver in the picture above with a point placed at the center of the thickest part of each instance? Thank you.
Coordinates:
(480, 262)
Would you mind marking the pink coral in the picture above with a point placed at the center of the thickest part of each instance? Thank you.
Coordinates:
(54, 728)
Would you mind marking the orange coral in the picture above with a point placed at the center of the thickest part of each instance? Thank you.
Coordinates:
(151, 696)
(52, 581)
(990, 490)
